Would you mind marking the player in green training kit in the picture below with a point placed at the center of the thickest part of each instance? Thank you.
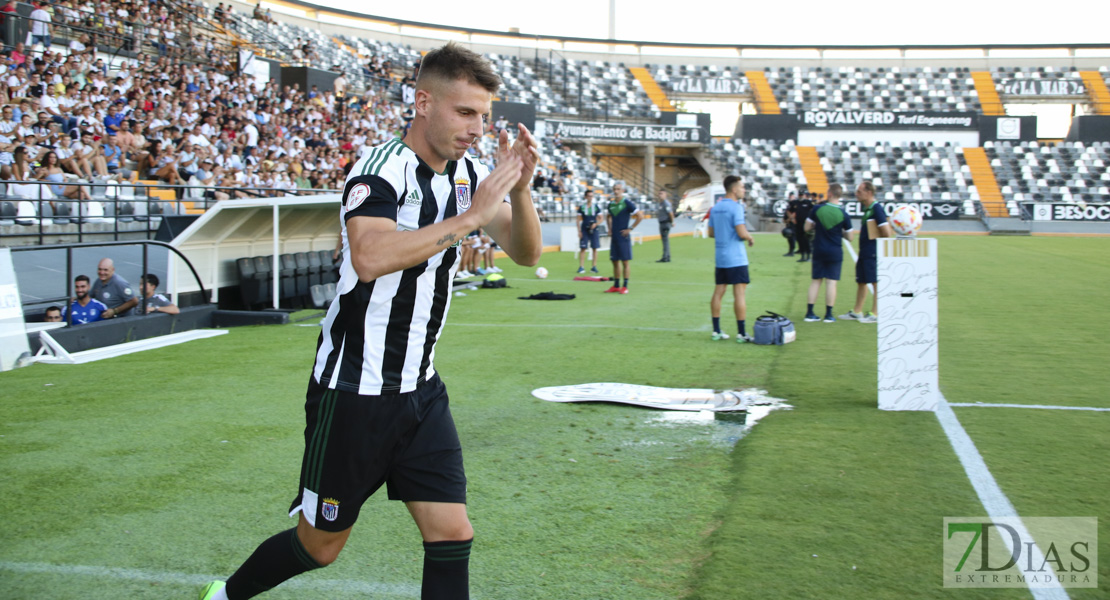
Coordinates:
(830, 224)
(377, 410)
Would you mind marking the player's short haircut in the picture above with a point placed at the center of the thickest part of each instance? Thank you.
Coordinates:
(151, 278)
(50, 309)
(868, 187)
(588, 193)
(835, 191)
(84, 278)
(731, 180)
(453, 62)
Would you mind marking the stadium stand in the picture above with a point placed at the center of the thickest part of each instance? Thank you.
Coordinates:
(171, 65)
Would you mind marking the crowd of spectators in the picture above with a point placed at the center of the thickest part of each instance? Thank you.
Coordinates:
(67, 116)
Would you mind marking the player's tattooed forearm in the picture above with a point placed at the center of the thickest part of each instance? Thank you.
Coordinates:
(447, 239)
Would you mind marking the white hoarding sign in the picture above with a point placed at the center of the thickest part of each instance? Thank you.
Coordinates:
(13, 332)
(907, 336)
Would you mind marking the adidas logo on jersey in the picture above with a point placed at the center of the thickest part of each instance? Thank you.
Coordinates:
(413, 199)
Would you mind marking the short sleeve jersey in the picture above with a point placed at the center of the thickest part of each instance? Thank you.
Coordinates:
(589, 213)
(379, 336)
(723, 218)
(621, 212)
(830, 222)
(157, 301)
(114, 293)
(867, 246)
(88, 313)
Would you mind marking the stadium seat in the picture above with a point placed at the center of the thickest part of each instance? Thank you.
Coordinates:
(315, 268)
(303, 271)
(319, 300)
(250, 285)
(8, 212)
(287, 270)
(330, 292)
(263, 269)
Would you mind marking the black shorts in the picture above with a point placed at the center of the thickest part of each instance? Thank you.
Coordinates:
(826, 269)
(732, 275)
(354, 444)
(867, 270)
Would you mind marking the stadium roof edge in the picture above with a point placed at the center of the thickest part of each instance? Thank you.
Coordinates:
(646, 43)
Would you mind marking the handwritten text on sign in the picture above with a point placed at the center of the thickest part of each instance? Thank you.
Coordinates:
(907, 299)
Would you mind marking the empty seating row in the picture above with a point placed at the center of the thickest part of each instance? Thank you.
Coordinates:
(297, 273)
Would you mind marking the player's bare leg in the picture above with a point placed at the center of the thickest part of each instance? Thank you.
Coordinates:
(861, 297)
(324, 546)
(739, 302)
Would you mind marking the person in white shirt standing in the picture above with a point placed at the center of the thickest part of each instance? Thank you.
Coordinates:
(40, 27)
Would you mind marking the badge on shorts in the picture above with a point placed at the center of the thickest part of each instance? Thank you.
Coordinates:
(462, 194)
(330, 509)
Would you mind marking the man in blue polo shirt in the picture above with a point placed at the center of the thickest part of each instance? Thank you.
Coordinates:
(729, 232)
(588, 236)
(830, 224)
(867, 266)
(85, 309)
(113, 291)
(621, 210)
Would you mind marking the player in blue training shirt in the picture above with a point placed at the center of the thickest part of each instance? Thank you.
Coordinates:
(85, 309)
(588, 236)
(867, 266)
(830, 224)
(621, 210)
(729, 232)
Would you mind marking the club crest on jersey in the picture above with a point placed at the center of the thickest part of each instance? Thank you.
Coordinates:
(462, 194)
(330, 509)
(358, 194)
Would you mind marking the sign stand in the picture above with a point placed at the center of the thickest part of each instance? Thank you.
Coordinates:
(13, 331)
(907, 336)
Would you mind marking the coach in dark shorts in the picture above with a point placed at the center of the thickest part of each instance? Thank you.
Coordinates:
(867, 266)
(830, 224)
(620, 212)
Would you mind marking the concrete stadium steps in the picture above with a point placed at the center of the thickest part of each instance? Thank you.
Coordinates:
(1097, 91)
(765, 102)
(816, 180)
(990, 196)
(652, 89)
(988, 94)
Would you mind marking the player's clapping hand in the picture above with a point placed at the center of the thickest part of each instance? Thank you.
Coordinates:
(527, 149)
(491, 192)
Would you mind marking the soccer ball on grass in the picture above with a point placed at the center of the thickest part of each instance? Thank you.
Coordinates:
(905, 220)
(541, 273)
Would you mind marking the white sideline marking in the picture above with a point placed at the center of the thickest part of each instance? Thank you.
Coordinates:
(990, 494)
(1041, 406)
(577, 326)
(364, 588)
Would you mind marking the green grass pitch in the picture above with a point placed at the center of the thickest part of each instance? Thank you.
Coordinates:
(144, 476)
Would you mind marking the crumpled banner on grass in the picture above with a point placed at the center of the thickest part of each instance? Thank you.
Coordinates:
(688, 399)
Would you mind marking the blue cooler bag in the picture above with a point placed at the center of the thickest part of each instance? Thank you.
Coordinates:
(773, 329)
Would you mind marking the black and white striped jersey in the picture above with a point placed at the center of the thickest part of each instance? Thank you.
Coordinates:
(380, 336)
